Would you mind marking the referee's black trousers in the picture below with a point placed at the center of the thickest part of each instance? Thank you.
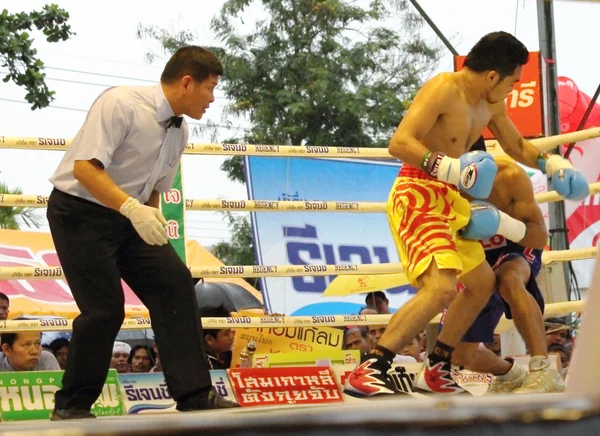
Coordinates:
(97, 246)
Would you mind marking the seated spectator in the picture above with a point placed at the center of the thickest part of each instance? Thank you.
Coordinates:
(120, 355)
(355, 338)
(557, 331)
(368, 310)
(413, 350)
(379, 301)
(141, 359)
(23, 352)
(157, 363)
(217, 341)
(565, 356)
(60, 349)
(4, 306)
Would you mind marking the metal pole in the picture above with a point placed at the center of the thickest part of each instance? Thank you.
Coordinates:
(437, 31)
(586, 115)
(545, 9)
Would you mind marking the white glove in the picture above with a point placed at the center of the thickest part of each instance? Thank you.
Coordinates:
(148, 221)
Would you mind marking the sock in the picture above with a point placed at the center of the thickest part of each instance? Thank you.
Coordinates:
(384, 352)
(441, 352)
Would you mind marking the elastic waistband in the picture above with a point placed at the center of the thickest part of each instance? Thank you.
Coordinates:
(413, 172)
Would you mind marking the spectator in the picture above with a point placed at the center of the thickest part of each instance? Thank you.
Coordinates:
(217, 341)
(379, 301)
(4, 306)
(564, 354)
(23, 352)
(557, 331)
(413, 350)
(141, 358)
(375, 332)
(120, 355)
(157, 363)
(355, 338)
(60, 349)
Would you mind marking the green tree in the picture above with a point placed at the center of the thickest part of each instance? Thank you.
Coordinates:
(240, 250)
(20, 58)
(11, 216)
(315, 72)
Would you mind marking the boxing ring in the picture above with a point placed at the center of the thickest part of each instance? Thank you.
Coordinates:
(577, 411)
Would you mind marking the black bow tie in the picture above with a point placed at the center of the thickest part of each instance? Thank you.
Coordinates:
(174, 122)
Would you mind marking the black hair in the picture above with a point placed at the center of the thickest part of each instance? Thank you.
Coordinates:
(4, 297)
(373, 295)
(57, 344)
(213, 312)
(194, 61)
(497, 51)
(149, 350)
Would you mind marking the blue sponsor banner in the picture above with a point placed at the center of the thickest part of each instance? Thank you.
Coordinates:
(147, 392)
(319, 237)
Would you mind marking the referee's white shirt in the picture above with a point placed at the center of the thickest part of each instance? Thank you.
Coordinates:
(125, 129)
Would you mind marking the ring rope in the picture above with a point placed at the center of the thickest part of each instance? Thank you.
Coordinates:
(30, 143)
(60, 325)
(35, 201)
(210, 271)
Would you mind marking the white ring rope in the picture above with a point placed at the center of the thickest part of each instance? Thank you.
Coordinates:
(60, 325)
(29, 143)
(12, 200)
(209, 271)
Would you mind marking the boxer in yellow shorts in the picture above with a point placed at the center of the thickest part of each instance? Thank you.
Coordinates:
(425, 217)
(435, 229)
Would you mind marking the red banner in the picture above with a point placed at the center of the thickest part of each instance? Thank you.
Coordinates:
(524, 103)
(284, 386)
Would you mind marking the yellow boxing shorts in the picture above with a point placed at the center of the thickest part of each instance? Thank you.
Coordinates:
(425, 216)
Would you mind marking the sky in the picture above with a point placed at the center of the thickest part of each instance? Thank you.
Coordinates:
(106, 52)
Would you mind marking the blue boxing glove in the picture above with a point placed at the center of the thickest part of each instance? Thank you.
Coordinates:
(473, 172)
(487, 221)
(565, 180)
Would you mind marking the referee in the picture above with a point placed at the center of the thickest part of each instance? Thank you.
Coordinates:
(106, 225)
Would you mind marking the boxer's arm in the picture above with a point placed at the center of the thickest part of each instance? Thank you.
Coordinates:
(510, 139)
(526, 209)
(429, 103)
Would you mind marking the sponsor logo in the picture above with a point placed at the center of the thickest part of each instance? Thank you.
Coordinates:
(315, 149)
(271, 319)
(41, 199)
(346, 205)
(46, 272)
(259, 269)
(53, 322)
(231, 269)
(322, 319)
(239, 320)
(230, 204)
(234, 147)
(346, 267)
(354, 318)
(315, 205)
(267, 148)
(315, 268)
(469, 176)
(260, 204)
(52, 141)
(350, 150)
